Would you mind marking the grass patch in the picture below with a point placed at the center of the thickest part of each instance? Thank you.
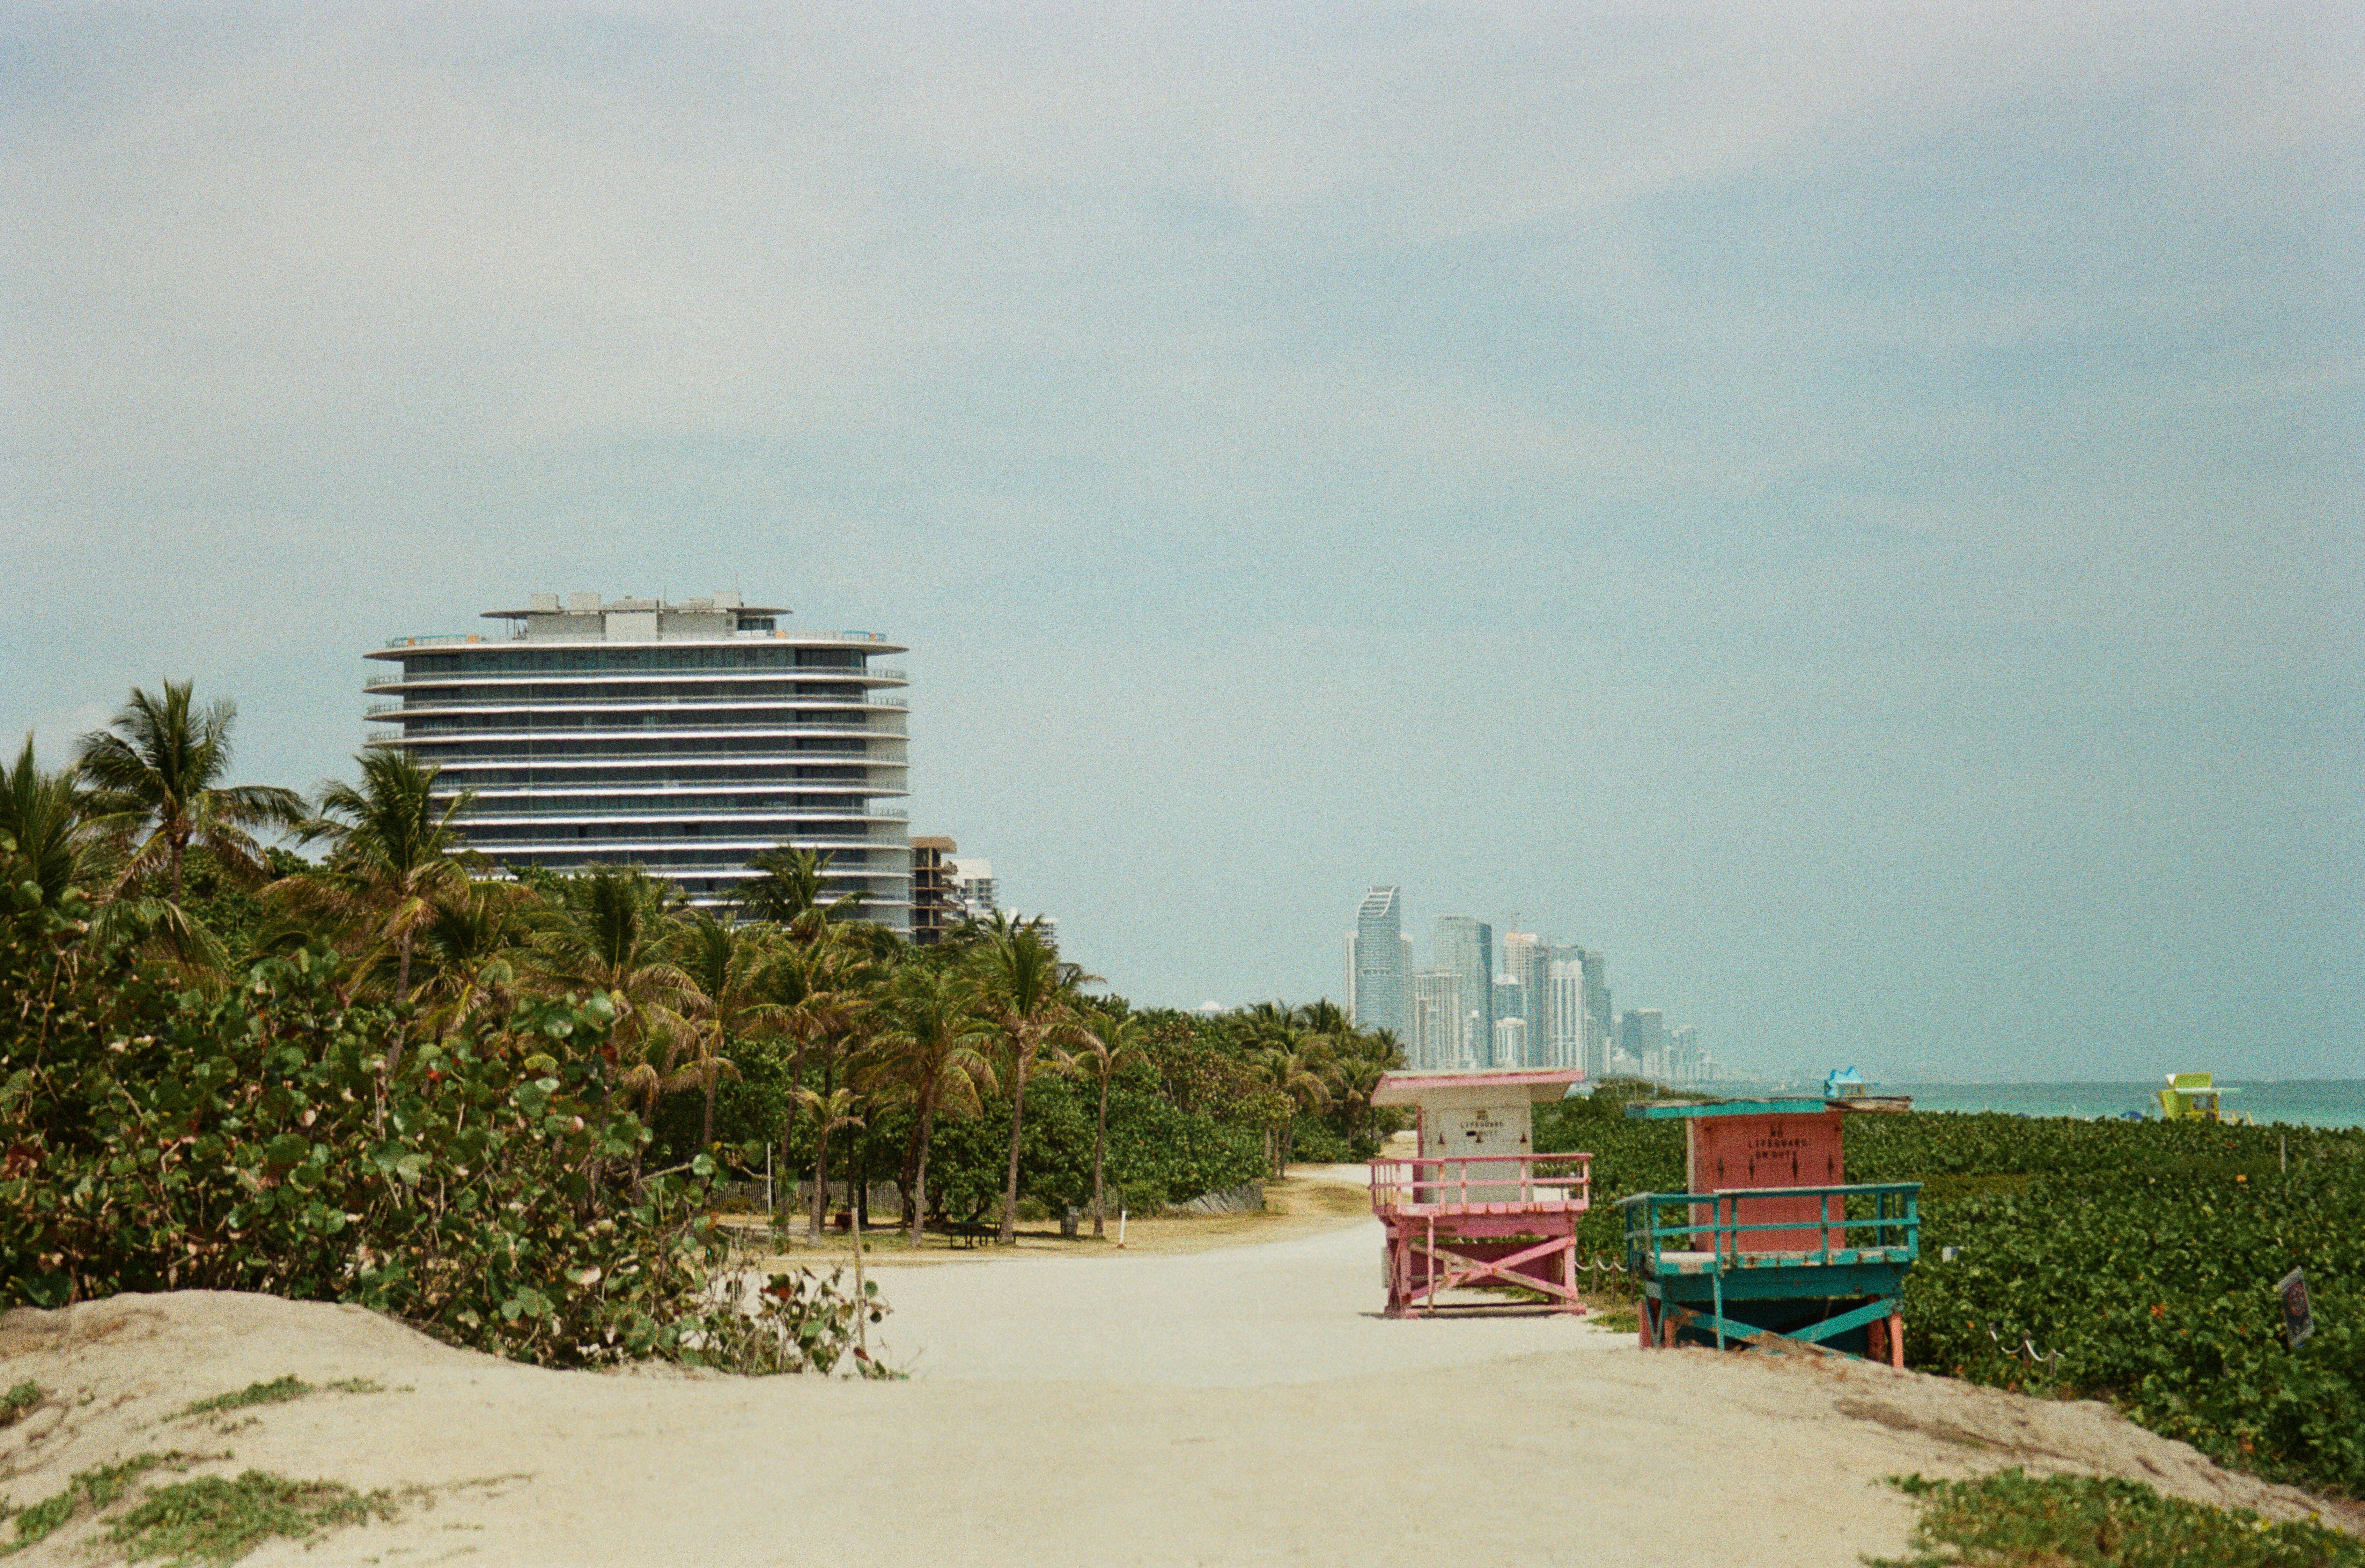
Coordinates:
(19, 1403)
(210, 1520)
(2014, 1521)
(1619, 1319)
(278, 1390)
(99, 1487)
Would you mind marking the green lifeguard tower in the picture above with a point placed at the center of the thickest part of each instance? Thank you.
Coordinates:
(2195, 1097)
(1771, 1242)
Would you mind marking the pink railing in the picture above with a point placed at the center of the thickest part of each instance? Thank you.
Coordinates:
(1481, 1181)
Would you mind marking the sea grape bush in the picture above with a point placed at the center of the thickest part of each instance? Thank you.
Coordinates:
(2137, 1259)
(170, 1140)
(2150, 1285)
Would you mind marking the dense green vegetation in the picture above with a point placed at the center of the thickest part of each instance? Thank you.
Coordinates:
(500, 1106)
(2132, 1261)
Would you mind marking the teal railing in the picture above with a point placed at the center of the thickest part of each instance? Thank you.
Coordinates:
(1894, 1220)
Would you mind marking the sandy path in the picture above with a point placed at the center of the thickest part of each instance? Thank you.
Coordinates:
(1231, 1406)
(1304, 1310)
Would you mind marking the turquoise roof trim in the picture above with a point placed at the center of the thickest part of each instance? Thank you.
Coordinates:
(1729, 1108)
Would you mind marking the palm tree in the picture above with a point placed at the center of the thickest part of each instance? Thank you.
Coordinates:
(1324, 1021)
(469, 951)
(610, 930)
(931, 1056)
(43, 821)
(1355, 1071)
(1294, 1066)
(1115, 1041)
(829, 1112)
(725, 963)
(155, 777)
(813, 990)
(1030, 999)
(393, 858)
(788, 886)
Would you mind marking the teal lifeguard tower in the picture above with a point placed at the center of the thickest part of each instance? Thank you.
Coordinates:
(1771, 1242)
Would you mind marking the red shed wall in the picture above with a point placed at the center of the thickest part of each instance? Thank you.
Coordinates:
(1725, 1153)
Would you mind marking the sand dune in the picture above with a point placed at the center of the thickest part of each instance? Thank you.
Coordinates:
(1233, 1406)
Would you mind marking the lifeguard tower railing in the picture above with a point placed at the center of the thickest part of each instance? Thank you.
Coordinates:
(1857, 1241)
(1483, 1184)
(1481, 1221)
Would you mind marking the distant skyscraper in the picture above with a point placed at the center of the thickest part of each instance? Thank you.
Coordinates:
(1597, 1015)
(1564, 1019)
(1511, 1002)
(1437, 1039)
(1527, 958)
(1510, 1042)
(1686, 1062)
(1467, 947)
(1641, 1034)
(1379, 1001)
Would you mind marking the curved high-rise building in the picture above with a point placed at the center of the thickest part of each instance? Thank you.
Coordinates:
(682, 737)
(1378, 1000)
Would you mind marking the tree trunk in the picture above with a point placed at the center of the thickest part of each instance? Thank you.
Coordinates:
(903, 1172)
(402, 989)
(1100, 1147)
(1009, 1236)
(706, 1131)
(820, 1185)
(918, 1197)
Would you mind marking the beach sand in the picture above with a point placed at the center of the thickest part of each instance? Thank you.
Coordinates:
(1236, 1403)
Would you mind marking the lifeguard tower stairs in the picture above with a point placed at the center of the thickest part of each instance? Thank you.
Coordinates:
(1772, 1243)
(1478, 1206)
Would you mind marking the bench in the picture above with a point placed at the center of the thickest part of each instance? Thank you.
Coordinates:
(970, 1232)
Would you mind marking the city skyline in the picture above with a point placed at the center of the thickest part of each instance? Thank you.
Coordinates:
(1527, 1001)
(1823, 504)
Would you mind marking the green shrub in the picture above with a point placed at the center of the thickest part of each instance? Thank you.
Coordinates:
(2014, 1521)
(1315, 1144)
(2136, 1259)
(168, 1139)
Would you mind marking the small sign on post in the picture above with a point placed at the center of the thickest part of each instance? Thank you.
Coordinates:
(2297, 1321)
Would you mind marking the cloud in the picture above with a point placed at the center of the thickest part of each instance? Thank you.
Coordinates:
(1798, 495)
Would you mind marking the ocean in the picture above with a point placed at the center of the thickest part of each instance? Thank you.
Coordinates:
(2319, 1103)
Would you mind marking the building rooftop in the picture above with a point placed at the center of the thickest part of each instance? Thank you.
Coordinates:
(591, 604)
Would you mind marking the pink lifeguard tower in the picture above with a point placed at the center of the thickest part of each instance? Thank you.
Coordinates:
(1477, 1206)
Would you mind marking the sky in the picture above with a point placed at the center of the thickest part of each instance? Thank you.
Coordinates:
(1853, 511)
